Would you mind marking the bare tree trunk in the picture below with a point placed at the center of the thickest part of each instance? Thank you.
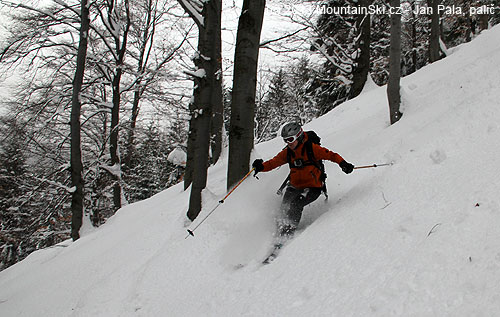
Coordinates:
(241, 131)
(133, 124)
(414, 57)
(192, 135)
(471, 26)
(362, 62)
(218, 110)
(393, 86)
(202, 108)
(76, 152)
(483, 22)
(435, 32)
(113, 141)
(121, 47)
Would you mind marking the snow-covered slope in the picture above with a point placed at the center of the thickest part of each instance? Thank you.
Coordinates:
(419, 238)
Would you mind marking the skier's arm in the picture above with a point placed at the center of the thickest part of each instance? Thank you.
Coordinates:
(276, 161)
(321, 153)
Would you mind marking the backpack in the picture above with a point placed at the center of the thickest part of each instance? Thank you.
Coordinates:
(312, 137)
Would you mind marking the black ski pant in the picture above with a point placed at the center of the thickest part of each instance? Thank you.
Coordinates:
(292, 206)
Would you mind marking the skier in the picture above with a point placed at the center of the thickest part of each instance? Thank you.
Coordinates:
(306, 177)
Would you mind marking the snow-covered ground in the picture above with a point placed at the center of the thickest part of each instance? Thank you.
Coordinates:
(419, 238)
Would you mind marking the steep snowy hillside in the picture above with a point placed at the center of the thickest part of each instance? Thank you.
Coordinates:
(419, 238)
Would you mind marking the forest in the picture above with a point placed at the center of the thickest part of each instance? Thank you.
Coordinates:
(109, 102)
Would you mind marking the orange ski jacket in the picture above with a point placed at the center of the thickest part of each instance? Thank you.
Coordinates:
(306, 176)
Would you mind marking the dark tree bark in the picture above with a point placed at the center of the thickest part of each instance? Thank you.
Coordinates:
(414, 58)
(241, 131)
(362, 62)
(121, 48)
(113, 140)
(218, 110)
(435, 32)
(393, 86)
(206, 102)
(483, 21)
(76, 152)
(133, 124)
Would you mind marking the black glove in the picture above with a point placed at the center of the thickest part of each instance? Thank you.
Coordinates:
(257, 164)
(346, 167)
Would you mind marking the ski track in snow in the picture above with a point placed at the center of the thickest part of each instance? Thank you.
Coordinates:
(419, 238)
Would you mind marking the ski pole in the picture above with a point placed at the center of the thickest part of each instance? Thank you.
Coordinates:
(373, 165)
(191, 232)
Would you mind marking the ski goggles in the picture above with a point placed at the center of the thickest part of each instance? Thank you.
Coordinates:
(293, 138)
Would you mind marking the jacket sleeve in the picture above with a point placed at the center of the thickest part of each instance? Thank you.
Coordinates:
(276, 161)
(321, 153)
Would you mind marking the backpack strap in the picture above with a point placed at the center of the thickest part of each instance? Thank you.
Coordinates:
(312, 159)
(319, 164)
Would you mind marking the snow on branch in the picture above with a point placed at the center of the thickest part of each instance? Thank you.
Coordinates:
(443, 47)
(57, 184)
(323, 51)
(194, 8)
(114, 170)
(267, 42)
(65, 5)
(177, 157)
(199, 73)
(45, 12)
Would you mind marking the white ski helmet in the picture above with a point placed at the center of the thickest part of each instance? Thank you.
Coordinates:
(291, 132)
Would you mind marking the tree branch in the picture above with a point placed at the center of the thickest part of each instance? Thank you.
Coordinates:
(282, 37)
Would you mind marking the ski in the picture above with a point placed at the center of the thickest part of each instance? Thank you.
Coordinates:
(273, 255)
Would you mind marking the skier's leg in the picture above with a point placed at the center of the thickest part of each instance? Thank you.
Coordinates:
(298, 199)
(311, 195)
(292, 206)
(285, 223)
(298, 203)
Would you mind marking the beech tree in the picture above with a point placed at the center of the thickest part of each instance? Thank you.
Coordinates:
(393, 86)
(207, 96)
(76, 164)
(361, 67)
(435, 32)
(241, 131)
(116, 20)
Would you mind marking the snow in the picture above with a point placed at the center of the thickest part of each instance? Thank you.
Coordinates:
(418, 238)
(369, 85)
(194, 11)
(114, 170)
(198, 73)
(177, 157)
